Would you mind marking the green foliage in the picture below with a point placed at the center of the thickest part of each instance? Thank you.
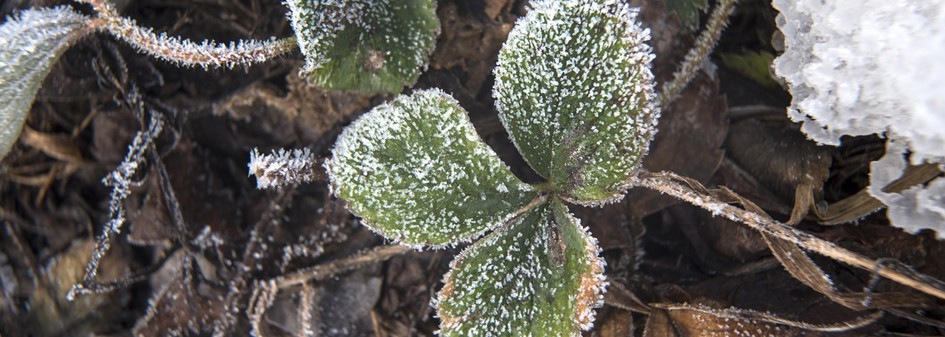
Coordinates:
(573, 87)
(540, 277)
(575, 92)
(688, 11)
(418, 173)
(754, 65)
(361, 45)
(32, 43)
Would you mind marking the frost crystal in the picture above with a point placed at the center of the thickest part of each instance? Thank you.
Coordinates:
(31, 43)
(916, 208)
(417, 172)
(540, 277)
(872, 67)
(575, 91)
(281, 168)
(374, 46)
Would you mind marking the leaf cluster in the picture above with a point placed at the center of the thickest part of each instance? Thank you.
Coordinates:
(575, 91)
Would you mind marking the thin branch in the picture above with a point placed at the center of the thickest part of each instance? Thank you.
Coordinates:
(702, 48)
(696, 194)
(120, 180)
(323, 271)
(185, 52)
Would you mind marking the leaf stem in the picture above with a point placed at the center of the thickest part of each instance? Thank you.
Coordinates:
(703, 46)
(694, 193)
(185, 52)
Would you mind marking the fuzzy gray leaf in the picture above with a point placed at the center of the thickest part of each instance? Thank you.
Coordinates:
(31, 44)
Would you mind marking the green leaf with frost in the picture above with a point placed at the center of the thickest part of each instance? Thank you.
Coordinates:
(540, 277)
(416, 171)
(31, 44)
(688, 11)
(363, 45)
(574, 89)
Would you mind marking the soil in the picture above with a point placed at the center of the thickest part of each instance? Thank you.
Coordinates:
(201, 247)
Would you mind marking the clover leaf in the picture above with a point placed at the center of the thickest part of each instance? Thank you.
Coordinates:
(417, 172)
(540, 277)
(574, 89)
(361, 45)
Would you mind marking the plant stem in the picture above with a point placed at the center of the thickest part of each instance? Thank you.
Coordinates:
(703, 46)
(185, 52)
(323, 271)
(683, 189)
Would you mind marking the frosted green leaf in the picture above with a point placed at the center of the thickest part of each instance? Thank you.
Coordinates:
(364, 45)
(540, 277)
(416, 171)
(574, 89)
(30, 44)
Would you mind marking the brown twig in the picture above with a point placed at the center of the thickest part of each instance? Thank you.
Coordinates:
(696, 194)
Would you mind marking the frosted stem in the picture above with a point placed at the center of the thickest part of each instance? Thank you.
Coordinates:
(185, 52)
(696, 194)
(323, 271)
(120, 180)
(703, 46)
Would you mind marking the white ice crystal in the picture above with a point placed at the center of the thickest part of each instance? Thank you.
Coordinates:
(281, 168)
(871, 67)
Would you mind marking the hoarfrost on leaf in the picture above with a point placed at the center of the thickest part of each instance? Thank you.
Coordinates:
(416, 171)
(541, 276)
(575, 91)
(32, 43)
(371, 46)
(872, 67)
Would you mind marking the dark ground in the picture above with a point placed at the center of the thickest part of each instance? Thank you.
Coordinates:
(726, 129)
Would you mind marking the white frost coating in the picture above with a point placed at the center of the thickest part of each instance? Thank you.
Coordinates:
(575, 91)
(281, 168)
(511, 284)
(416, 171)
(872, 67)
(317, 22)
(30, 43)
(916, 208)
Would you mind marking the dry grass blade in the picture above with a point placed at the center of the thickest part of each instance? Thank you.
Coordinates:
(764, 319)
(59, 147)
(696, 194)
(862, 203)
(802, 268)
